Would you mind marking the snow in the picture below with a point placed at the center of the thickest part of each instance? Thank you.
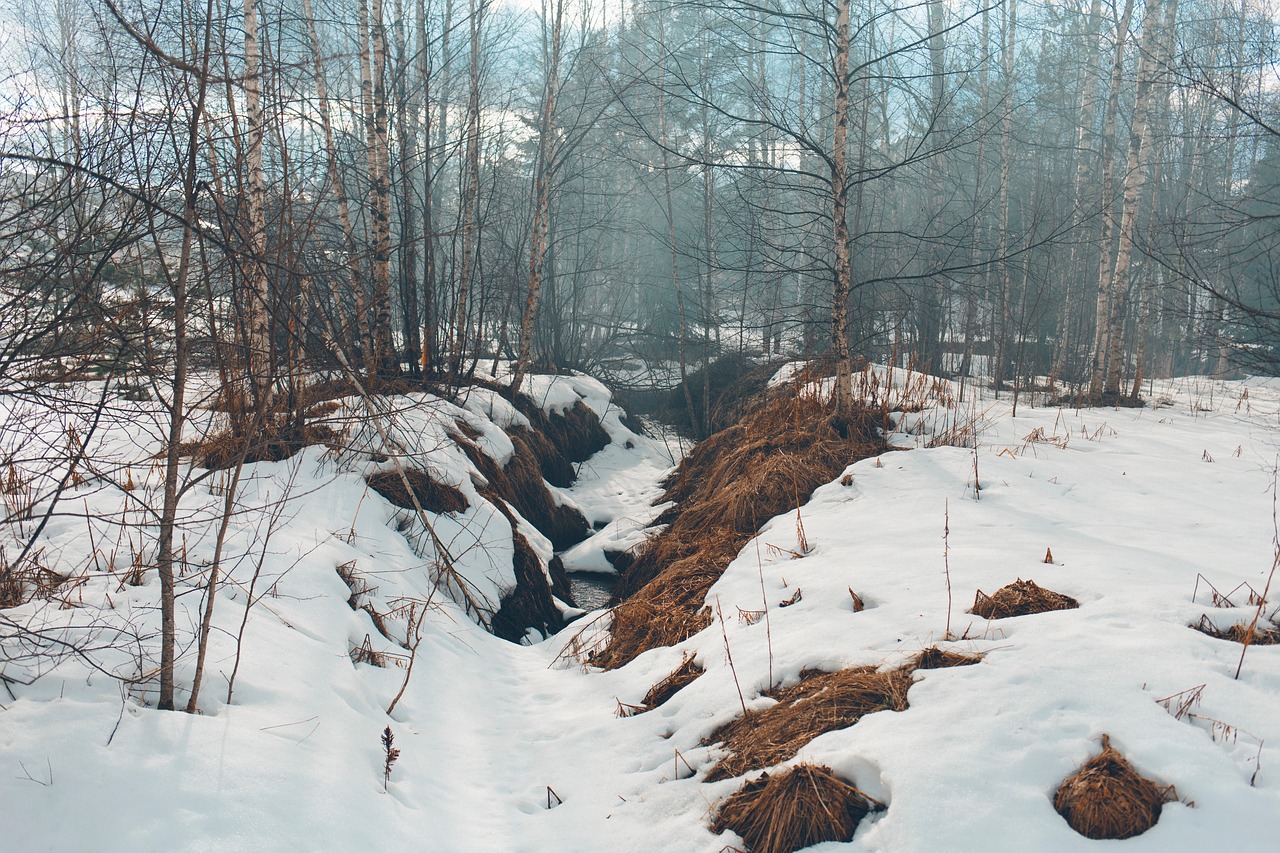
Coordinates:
(1135, 505)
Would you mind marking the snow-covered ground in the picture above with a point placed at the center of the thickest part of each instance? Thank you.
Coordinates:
(517, 748)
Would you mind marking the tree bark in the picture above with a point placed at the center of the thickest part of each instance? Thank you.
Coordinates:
(544, 177)
(1102, 326)
(253, 272)
(840, 230)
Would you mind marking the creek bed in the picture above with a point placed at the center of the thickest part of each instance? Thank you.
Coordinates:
(591, 590)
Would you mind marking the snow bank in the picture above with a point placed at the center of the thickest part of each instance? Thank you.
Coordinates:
(507, 747)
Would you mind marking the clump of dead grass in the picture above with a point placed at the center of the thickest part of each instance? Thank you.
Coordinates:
(803, 806)
(1245, 633)
(936, 657)
(668, 610)
(572, 435)
(769, 462)
(433, 495)
(520, 484)
(529, 604)
(821, 702)
(1108, 798)
(679, 678)
(26, 580)
(273, 441)
(1020, 598)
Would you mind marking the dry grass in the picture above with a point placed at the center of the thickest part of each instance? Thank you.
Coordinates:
(1107, 798)
(936, 657)
(731, 484)
(273, 442)
(575, 433)
(733, 382)
(681, 677)
(27, 580)
(1262, 634)
(432, 495)
(521, 485)
(529, 604)
(821, 702)
(803, 806)
(1020, 598)
(669, 610)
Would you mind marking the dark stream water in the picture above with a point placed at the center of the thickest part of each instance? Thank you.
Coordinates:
(591, 590)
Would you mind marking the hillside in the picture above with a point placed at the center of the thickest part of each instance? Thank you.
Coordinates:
(1156, 518)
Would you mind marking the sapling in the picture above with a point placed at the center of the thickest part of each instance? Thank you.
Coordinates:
(946, 560)
(390, 755)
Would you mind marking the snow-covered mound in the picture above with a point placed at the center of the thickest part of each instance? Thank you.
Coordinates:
(507, 747)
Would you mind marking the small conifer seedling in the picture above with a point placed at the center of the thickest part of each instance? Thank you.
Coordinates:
(391, 754)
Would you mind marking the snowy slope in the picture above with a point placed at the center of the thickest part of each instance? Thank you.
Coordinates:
(491, 733)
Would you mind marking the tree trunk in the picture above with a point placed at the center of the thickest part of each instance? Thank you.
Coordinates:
(544, 176)
(1084, 165)
(840, 235)
(177, 409)
(1001, 344)
(407, 109)
(1102, 328)
(470, 193)
(384, 361)
(1137, 167)
(257, 297)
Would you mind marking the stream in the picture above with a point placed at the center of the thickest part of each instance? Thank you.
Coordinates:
(591, 590)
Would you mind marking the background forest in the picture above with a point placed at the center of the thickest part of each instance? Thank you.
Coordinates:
(1080, 191)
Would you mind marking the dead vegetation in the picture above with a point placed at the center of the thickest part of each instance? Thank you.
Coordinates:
(787, 445)
(679, 678)
(936, 657)
(821, 702)
(1245, 633)
(273, 441)
(562, 438)
(732, 380)
(520, 484)
(803, 806)
(1020, 598)
(433, 495)
(26, 580)
(1107, 798)
(529, 604)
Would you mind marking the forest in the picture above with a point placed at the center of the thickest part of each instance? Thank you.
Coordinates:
(594, 384)
(1078, 192)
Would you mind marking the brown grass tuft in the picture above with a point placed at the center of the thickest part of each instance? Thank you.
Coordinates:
(521, 485)
(681, 677)
(1020, 598)
(1239, 633)
(1107, 798)
(433, 496)
(726, 488)
(936, 657)
(529, 605)
(821, 702)
(274, 442)
(803, 806)
(669, 609)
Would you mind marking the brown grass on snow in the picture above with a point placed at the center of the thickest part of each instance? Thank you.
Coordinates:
(725, 489)
(681, 677)
(1107, 798)
(1263, 634)
(521, 485)
(803, 806)
(272, 442)
(819, 703)
(432, 495)
(1020, 598)
(936, 657)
